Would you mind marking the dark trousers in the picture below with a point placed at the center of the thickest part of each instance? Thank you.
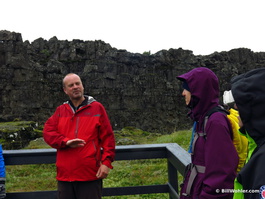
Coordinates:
(80, 190)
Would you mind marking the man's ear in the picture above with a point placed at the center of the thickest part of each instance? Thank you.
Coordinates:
(64, 90)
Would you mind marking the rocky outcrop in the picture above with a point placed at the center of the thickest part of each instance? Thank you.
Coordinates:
(18, 134)
(138, 90)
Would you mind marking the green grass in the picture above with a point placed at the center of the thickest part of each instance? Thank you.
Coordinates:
(125, 173)
(30, 177)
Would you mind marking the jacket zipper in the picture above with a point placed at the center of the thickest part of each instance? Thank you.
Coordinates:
(76, 127)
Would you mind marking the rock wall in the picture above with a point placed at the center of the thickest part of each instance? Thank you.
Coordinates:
(137, 90)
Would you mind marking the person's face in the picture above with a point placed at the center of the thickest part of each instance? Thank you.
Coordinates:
(73, 87)
(187, 96)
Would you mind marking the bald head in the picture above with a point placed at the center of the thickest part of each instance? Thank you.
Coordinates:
(67, 76)
(73, 87)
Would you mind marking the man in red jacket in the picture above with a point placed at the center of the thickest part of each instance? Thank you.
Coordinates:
(81, 132)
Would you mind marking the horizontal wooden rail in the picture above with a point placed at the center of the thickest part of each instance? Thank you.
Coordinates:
(177, 158)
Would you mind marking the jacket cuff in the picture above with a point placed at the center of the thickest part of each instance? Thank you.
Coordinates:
(63, 144)
(107, 163)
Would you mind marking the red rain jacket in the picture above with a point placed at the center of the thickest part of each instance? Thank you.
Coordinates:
(90, 123)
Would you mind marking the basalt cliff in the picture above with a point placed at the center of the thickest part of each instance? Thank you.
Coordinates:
(138, 90)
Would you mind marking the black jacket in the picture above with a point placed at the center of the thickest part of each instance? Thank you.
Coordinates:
(249, 93)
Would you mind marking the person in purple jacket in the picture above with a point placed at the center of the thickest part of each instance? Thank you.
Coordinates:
(214, 159)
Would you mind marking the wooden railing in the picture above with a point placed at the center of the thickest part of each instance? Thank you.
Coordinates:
(177, 159)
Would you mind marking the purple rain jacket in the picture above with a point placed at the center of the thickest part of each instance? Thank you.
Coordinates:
(214, 152)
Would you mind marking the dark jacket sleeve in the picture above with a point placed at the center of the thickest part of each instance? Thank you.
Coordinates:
(252, 175)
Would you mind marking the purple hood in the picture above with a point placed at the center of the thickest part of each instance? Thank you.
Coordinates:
(204, 88)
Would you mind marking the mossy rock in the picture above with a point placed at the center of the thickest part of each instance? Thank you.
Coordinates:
(130, 135)
(18, 134)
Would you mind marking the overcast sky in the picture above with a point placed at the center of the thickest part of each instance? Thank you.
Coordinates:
(202, 26)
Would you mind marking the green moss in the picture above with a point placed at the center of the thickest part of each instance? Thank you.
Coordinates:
(15, 125)
(131, 135)
(18, 134)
